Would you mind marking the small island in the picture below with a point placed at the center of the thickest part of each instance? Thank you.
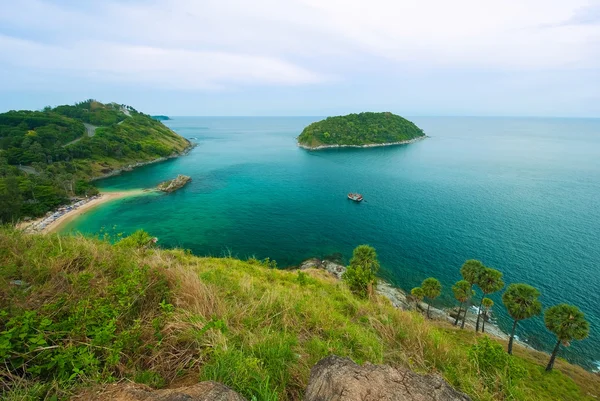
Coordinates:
(174, 184)
(161, 118)
(360, 130)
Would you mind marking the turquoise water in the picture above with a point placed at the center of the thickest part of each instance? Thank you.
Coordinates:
(520, 194)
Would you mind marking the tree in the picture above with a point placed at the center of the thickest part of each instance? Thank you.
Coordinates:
(360, 274)
(521, 302)
(568, 323)
(418, 294)
(470, 271)
(487, 305)
(462, 292)
(432, 288)
(490, 280)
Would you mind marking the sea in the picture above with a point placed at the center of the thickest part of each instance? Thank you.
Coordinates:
(520, 194)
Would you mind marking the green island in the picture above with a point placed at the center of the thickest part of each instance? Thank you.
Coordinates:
(161, 118)
(360, 130)
(79, 313)
(49, 156)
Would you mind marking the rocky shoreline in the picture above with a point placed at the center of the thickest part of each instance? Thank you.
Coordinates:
(401, 300)
(372, 145)
(130, 167)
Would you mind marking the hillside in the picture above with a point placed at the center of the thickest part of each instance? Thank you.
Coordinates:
(48, 156)
(75, 312)
(359, 130)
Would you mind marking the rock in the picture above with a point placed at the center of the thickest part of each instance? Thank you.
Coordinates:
(174, 184)
(203, 391)
(340, 379)
(334, 268)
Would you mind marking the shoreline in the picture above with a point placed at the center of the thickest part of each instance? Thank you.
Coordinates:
(372, 145)
(52, 222)
(131, 167)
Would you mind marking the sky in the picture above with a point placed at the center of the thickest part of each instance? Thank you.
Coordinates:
(305, 57)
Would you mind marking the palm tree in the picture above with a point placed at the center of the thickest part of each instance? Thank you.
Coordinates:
(521, 302)
(487, 305)
(470, 271)
(361, 272)
(418, 294)
(490, 280)
(432, 288)
(568, 323)
(462, 292)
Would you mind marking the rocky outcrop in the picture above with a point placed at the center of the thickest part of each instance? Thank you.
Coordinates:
(174, 184)
(340, 379)
(203, 391)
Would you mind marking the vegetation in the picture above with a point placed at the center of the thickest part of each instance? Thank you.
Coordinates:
(161, 118)
(76, 312)
(462, 292)
(432, 288)
(470, 272)
(359, 129)
(490, 281)
(361, 273)
(487, 305)
(521, 302)
(417, 294)
(48, 156)
(568, 323)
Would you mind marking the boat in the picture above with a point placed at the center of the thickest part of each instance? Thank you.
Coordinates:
(355, 197)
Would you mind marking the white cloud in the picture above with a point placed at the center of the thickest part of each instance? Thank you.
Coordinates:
(218, 43)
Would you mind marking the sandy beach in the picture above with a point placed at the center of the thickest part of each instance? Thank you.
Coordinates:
(57, 220)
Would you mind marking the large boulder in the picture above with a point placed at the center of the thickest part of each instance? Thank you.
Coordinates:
(174, 184)
(203, 391)
(340, 379)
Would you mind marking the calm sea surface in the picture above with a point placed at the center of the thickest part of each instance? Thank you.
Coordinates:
(521, 194)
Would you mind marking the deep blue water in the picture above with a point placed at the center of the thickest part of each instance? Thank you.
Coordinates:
(520, 194)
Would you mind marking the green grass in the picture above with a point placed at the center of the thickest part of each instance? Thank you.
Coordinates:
(93, 313)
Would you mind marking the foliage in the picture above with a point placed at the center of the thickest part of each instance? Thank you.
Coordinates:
(359, 129)
(432, 288)
(462, 291)
(47, 157)
(162, 317)
(361, 273)
(489, 280)
(567, 322)
(417, 293)
(498, 371)
(471, 270)
(521, 301)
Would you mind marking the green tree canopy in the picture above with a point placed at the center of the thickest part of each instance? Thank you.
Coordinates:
(462, 292)
(361, 273)
(568, 323)
(521, 302)
(432, 288)
(417, 293)
(489, 280)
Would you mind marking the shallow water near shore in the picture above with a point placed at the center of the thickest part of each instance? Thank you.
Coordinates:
(520, 194)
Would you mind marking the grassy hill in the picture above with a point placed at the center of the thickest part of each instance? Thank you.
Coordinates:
(75, 312)
(359, 130)
(47, 156)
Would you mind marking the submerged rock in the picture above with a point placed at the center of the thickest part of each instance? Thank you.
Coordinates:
(174, 184)
(340, 379)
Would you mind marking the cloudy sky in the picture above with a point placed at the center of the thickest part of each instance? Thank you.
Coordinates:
(305, 57)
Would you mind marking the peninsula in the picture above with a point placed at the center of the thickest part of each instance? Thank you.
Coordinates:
(360, 130)
(50, 158)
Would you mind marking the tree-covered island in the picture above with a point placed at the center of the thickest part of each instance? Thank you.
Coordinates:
(360, 130)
